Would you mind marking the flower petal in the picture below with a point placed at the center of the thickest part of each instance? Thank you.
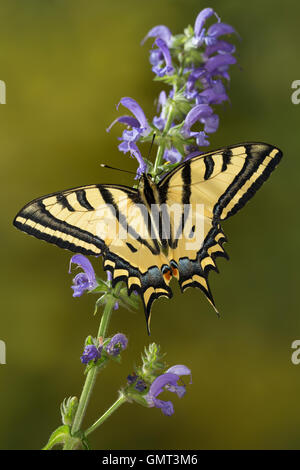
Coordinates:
(179, 370)
(211, 124)
(220, 47)
(159, 31)
(142, 164)
(218, 29)
(168, 69)
(160, 382)
(172, 155)
(84, 263)
(128, 120)
(135, 108)
(166, 406)
(219, 62)
(198, 112)
(202, 18)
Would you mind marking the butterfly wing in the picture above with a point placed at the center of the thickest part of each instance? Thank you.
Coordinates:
(108, 220)
(213, 186)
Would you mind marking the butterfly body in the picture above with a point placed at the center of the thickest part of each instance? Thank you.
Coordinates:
(157, 232)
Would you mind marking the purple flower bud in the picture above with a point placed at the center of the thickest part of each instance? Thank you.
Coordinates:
(91, 353)
(140, 386)
(117, 344)
(131, 379)
(83, 281)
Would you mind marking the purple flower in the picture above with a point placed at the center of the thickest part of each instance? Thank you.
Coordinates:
(139, 128)
(163, 63)
(172, 155)
(204, 114)
(215, 94)
(91, 353)
(219, 64)
(83, 281)
(199, 31)
(213, 33)
(167, 381)
(161, 32)
(221, 47)
(191, 91)
(117, 344)
(216, 30)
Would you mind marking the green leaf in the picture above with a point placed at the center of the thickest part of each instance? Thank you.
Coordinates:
(60, 436)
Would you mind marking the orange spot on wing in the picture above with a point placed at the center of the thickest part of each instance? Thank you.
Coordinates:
(175, 272)
(167, 276)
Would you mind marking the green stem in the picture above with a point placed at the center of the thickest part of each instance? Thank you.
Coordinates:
(162, 146)
(122, 399)
(92, 374)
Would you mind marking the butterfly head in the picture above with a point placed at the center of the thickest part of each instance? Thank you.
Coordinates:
(145, 181)
(147, 189)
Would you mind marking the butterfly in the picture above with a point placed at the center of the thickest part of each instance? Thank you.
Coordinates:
(142, 240)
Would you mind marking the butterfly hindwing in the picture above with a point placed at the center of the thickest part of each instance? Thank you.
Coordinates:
(214, 186)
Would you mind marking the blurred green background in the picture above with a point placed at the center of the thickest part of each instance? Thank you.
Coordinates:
(66, 64)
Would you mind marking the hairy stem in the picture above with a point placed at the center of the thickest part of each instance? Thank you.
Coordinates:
(92, 374)
(122, 399)
(161, 148)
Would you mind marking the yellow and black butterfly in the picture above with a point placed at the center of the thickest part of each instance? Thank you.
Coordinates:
(154, 247)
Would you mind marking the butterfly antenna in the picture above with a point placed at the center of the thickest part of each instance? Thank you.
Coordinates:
(152, 142)
(114, 168)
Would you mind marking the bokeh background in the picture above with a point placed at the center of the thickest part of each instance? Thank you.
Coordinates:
(66, 64)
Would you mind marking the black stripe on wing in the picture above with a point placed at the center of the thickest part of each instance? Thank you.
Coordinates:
(36, 220)
(149, 285)
(260, 161)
